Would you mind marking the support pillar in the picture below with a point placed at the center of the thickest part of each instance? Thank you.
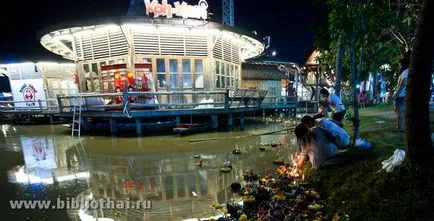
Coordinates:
(138, 127)
(214, 122)
(178, 120)
(186, 189)
(242, 118)
(113, 127)
(163, 188)
(230, 121)
(85, 124)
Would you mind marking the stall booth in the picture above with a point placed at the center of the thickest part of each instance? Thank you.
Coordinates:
(174, 54)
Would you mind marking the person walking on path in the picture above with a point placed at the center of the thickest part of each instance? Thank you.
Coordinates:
(399, 95)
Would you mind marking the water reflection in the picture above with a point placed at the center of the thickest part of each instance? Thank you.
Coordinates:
(161, 169)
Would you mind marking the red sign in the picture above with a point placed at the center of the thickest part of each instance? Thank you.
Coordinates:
(143, 66)
(113, 67)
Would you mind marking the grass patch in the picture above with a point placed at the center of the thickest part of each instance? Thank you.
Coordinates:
(357, 189)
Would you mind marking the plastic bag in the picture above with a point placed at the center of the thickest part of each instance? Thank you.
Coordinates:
(362, 143)
(395, 160)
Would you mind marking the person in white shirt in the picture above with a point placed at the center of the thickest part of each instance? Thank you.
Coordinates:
(334, 103)
(399, 95)
(331, 130)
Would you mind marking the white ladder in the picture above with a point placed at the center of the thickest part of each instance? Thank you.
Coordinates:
(76, 118)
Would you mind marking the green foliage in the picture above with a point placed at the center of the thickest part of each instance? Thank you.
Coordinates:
(384, 31)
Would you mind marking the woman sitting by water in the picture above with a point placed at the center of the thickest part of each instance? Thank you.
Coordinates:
(314, 145)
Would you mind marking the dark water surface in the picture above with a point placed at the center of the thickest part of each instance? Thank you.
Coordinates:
(161, 169)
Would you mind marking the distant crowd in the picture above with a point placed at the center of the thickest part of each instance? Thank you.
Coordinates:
(322, 136)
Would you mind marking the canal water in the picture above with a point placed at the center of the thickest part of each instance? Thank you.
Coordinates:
(162, 169)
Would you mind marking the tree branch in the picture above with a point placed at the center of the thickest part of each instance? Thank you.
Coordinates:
(397, 37)
(404, 40)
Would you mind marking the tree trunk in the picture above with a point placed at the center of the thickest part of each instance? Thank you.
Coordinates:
(417, 125)
(354, 84)
(339, 61)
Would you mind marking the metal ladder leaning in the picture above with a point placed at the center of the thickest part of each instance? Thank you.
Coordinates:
(76, 117)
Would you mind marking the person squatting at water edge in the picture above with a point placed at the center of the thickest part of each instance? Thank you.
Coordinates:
(333, 102)
(331, 130)
(313, 145)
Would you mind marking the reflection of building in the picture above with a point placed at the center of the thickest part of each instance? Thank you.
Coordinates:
(177, 189)
(48, 159)
(179, 54)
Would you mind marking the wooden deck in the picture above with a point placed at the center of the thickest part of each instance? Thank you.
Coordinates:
(140, 106)
(170, 104)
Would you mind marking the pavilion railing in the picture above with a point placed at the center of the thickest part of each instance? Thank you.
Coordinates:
(137, 101)
(38, 106)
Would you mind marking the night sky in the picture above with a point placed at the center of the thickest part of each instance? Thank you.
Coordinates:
(287, 22)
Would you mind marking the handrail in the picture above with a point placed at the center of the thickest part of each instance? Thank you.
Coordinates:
(48, 105)
(143, 93)
(175, 100)
(8, 102)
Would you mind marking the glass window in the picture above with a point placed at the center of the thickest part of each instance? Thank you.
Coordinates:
(161, 67)
(186, 73)
(147, 60)
(86, 68)
(217, 74)
(198, 75)
(112, 62)
(227, 69)
(174, 78)
(161, 73)
(217, 68)
(217, 84)
(198, 66)
(95, 68)
(121, 61)
(237, 76)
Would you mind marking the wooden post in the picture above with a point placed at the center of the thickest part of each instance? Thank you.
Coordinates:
(40, 105)
(138, 127)
(59, 103)
(242, 121)
(163, 188)
(227, 99)
(214, 121)
(85, 124)
(230, 121)
(113, 126)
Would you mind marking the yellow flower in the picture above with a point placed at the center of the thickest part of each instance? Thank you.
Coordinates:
(243, 217)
